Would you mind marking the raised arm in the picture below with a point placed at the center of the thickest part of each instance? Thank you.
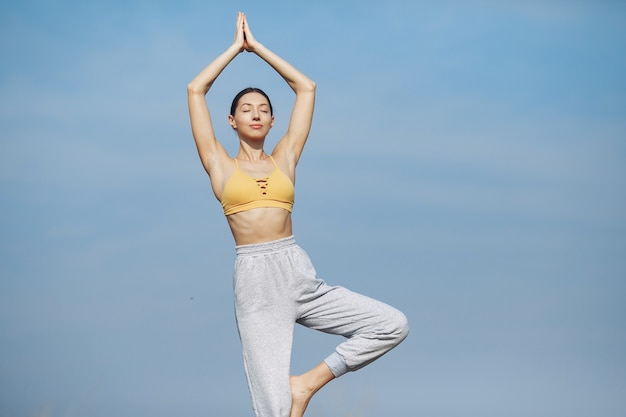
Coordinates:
(291, 145)
(211, 152)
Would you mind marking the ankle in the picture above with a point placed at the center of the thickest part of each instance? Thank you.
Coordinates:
(317, 377)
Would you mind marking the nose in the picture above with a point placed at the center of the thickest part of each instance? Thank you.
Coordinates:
(256, 115)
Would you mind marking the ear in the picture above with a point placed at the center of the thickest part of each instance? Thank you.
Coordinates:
(231, 122)
(272, 124)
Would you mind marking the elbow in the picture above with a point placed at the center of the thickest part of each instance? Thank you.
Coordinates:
(193, 88)
(308, 87)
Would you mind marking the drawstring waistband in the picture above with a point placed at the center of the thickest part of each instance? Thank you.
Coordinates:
(266, 247)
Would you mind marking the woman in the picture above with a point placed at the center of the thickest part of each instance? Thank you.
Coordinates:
(274, 281)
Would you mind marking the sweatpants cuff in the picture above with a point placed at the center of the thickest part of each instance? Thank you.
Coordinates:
(337, 364)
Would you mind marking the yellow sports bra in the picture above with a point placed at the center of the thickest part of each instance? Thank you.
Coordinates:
(242, 192)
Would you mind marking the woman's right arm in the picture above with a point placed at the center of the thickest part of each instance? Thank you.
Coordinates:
(209, 149)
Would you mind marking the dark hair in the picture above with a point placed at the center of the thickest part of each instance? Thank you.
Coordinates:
(245, 91)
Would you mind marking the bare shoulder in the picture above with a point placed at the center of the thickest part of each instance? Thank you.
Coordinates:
(284, 161)
(220, 167)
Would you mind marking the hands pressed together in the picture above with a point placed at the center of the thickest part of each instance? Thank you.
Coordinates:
(243, 36)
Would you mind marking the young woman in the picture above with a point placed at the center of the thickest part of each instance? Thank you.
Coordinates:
(275, 283)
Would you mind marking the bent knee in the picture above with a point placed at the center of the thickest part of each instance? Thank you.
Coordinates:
(400, 327)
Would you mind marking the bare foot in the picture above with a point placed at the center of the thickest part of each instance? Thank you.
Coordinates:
(301, 394)
(304, 386)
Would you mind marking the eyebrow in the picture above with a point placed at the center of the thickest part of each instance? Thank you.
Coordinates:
(252, 104)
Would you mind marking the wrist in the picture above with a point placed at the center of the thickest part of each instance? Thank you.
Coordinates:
(234, 49)
(258, 47)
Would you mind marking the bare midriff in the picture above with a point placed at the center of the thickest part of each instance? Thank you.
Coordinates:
(260, 225)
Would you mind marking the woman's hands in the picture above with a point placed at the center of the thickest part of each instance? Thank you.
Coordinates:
(243, 36)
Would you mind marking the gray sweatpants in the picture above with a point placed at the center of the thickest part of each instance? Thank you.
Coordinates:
(275, 287)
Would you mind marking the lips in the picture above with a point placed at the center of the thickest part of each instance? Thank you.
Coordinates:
(256, 126)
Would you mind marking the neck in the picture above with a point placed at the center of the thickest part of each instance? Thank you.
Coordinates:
(247, 153)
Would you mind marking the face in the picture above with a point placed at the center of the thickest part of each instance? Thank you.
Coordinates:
(252, 116)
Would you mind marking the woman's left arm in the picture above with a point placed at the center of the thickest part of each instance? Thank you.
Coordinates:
(292, 143)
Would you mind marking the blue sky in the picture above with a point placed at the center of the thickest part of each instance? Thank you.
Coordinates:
(466, 165)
